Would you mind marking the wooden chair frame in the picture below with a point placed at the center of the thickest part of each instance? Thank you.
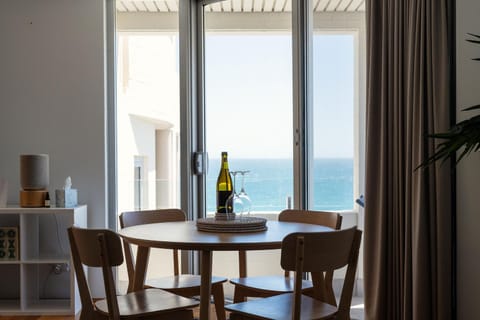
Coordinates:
(102, 248)
(324, 218)
(132, 218)
(309, 252)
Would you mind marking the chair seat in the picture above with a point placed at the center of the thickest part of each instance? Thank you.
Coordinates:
(270, 284)
(147, 302)
(279, 307)
(183, 281)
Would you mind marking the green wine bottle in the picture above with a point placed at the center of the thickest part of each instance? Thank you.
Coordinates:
(224, 186)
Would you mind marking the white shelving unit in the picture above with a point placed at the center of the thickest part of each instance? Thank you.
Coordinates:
(42, 280)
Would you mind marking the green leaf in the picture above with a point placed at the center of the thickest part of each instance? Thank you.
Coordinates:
(472, 108)
(474, 35)
(462, 138)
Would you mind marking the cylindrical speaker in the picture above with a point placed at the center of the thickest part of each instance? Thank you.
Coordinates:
(34, 171)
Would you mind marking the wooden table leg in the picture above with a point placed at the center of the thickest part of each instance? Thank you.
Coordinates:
(206, 284)
(141, 263)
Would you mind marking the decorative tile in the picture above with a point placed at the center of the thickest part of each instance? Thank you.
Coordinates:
(9, 243)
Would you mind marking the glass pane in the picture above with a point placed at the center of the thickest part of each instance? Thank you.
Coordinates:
(147, 121)
(248, 99)
(148, 114)
(333, 109)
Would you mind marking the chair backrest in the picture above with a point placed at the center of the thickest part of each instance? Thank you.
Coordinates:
(319, 252)
(96, 248)
(324, 218)
(133, 218)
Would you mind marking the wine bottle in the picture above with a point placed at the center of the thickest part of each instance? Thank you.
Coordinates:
(47, 200)
(224, 186)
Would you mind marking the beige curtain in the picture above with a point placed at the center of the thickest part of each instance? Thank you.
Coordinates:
(408, 238)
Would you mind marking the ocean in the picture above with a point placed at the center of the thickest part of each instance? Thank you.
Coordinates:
(270, 181)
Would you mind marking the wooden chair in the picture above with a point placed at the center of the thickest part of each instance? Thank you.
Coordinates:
(267, 286)
(186, 285)
(315, 252)
(103, 248)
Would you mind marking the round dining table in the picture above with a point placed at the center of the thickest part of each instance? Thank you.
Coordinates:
(184, 235)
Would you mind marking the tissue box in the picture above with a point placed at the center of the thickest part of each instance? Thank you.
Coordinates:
(66, 198)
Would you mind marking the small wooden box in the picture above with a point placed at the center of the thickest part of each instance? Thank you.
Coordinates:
(9, 243)
(32, 198)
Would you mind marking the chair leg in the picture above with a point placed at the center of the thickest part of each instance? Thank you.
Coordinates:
(236, 316)
(177, 315)
(219, 301)
(239, 295)
(86, 314)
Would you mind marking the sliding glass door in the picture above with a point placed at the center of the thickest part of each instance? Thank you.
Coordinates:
(279, 85)
(333, 121)
(248, 102)
(283, 99)
(148, 114)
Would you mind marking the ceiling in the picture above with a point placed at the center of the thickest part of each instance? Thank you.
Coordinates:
(241, 6)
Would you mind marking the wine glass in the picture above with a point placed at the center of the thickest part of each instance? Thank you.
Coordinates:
(247, 202)
(234, 201)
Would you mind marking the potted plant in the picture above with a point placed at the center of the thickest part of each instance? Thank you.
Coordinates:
(465, 134)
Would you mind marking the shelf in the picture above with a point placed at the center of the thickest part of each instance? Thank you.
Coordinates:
(10, 282)
(50, 232)
(15, 209)
(45, 259)
(9, 220)
(42, 280)
(10, 261)
(9, 306)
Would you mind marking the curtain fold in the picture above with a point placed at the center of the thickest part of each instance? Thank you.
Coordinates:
(408, 238)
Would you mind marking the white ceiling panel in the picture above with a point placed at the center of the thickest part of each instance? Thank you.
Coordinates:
(279, 4)
(268, 5)
(322, 5)
(161, 5)
(216, 7)
(257, 6)
(172, 5)
(355, 5)
(120, 7)
(141, 6)
(150, 5)
(247, 5)
(240, 5)
(237, 5)
(227, 6)
(343, 5)
(332, 5)
(361, 7)
(130, 6)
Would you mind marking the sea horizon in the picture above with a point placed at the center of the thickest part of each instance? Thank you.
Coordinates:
(269, 182)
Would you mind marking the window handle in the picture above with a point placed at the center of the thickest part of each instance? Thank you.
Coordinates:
(361, 201)
(200, 163)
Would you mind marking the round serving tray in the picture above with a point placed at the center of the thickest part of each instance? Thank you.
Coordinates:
(239, 224)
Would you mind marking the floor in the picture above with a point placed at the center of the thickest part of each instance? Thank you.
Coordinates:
(357, 309)
(356, 313)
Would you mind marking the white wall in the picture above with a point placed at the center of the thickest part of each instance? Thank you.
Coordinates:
(468, 174)
(52, 95)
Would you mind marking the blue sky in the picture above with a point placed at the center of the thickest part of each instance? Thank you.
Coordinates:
(249, 95)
